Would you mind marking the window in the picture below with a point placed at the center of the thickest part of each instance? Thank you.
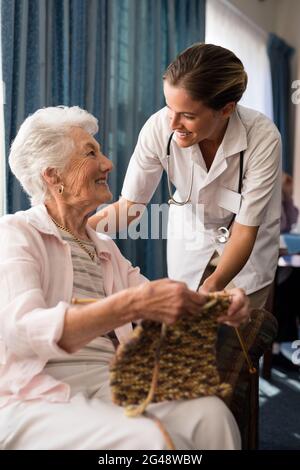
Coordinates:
(226, 26)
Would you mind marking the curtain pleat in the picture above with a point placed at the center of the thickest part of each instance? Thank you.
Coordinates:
(280, 54)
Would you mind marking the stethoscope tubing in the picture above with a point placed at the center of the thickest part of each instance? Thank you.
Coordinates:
(224, 233)
(172, 200)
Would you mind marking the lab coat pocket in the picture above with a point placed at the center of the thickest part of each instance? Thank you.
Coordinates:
(229, 200)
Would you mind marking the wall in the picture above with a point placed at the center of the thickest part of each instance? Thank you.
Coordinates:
(260, 12)
(283, 18)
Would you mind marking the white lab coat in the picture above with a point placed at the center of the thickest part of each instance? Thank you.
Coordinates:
(214, 197)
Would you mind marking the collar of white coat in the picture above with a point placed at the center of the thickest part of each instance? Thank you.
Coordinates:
(234, 140)
(233, 143)
(38, 217)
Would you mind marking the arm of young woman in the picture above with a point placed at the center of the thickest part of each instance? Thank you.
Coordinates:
(117, 216)
(237, 252)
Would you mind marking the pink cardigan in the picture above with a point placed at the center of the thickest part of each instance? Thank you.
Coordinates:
(36, 281)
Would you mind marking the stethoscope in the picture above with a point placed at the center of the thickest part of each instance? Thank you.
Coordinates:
(172, 200)
(223, 233)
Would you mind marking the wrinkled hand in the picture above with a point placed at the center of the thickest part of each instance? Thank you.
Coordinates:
(166, 301)
(238, 312)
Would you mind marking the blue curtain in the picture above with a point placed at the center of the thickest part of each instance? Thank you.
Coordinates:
(106, 56)
(280, 56)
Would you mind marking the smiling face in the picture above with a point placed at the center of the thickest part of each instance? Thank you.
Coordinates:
(85, 175)
(191, 120)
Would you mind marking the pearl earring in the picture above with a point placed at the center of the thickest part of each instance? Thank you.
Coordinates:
(61, 189)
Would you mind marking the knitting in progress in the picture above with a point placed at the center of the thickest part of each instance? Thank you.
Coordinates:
(176, 362)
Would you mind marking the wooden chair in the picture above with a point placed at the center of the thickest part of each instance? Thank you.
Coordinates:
(258, 336)
(267, 356)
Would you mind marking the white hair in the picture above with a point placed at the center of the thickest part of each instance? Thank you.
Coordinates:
(44, 141)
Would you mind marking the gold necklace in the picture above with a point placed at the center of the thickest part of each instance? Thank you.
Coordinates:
(80, 243)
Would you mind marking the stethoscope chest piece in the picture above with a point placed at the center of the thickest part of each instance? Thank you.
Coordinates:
(223, 235)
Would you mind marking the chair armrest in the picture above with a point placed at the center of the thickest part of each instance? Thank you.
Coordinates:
(258, 336)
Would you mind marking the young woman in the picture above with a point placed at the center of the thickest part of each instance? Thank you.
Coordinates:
(225, 160)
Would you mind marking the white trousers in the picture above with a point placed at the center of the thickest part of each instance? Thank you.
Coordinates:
(91, 421)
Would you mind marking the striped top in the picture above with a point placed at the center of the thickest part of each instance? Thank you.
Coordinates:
(88, 277)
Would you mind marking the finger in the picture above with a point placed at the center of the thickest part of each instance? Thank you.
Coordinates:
(241, 313)
(230, 319)
(236, 319)
(195, 309)
(195, 305)
(199, 298)
(232, 322)
(203, 290)
(234, 309)
(239, 302)
(193, 299)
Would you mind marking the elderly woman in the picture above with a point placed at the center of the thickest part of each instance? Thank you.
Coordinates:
(54, 378)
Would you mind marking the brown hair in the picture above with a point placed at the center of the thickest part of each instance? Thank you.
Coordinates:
(209, 73)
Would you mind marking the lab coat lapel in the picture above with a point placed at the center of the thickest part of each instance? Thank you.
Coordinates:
(217, 168)
(234, 141)
(199, 160)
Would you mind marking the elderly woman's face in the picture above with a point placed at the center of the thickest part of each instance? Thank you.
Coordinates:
(85, 176)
